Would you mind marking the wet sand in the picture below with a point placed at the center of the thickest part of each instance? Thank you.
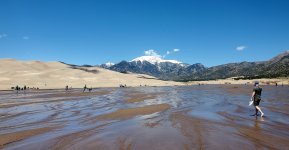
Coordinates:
(17, 136)
(138, 97)
(131, 112)
(184, 117)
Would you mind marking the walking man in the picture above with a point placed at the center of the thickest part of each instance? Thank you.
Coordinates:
(84, 88)
(66, 88)
(256, 98)
(17, 88)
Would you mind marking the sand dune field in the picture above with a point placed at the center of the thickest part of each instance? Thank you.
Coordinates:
(51, 75)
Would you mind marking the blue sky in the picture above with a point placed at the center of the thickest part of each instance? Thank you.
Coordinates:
(210, 32)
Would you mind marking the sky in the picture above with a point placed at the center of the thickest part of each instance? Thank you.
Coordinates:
(211, 32)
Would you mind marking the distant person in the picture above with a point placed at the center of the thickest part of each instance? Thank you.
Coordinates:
(17, 88)
(90, 89)
(84, 88)
(256, 98)
(276, 84)
(66, 88)
(24, 88)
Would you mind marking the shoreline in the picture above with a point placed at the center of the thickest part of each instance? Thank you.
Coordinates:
(190, 83)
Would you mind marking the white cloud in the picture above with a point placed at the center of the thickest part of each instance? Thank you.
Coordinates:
(152, 52)
(176, 50)
(241, 48)
(25, 37)
(171, 52)
(3, 35)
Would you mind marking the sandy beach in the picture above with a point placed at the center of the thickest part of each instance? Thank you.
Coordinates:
(178, 117)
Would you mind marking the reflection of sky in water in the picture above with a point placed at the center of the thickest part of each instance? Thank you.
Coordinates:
(142, 117)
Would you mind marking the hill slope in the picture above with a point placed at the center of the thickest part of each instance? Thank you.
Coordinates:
(275, 67)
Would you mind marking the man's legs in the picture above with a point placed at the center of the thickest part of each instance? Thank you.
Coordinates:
(256, 113)
(259, 109)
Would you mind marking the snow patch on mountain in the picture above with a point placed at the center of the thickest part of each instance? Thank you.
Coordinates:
(154, 60)
(108, 64)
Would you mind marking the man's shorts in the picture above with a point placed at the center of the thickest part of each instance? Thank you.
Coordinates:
(257, 101)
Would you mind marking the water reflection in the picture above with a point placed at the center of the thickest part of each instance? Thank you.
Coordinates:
(197, 115)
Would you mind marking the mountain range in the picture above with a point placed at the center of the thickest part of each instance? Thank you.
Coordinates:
(275, 67)
(157, 67)
(178, 71)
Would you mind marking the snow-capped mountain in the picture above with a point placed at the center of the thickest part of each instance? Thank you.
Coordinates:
(156, 66)
(107, 65)
(154, 60)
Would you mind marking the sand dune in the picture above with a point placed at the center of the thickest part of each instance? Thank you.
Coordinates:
(47, 75)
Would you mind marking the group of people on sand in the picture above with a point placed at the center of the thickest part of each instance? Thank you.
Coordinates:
(24, 88)
(122, 85)
(85, 88)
